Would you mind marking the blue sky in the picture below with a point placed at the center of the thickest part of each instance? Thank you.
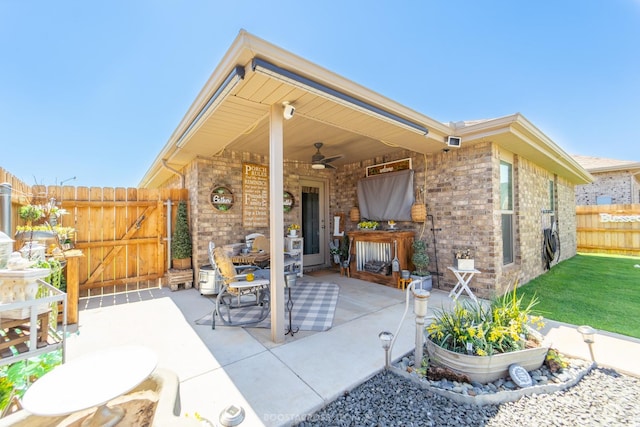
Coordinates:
(94, 89)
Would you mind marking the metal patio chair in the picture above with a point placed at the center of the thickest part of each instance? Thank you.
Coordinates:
(238, 292)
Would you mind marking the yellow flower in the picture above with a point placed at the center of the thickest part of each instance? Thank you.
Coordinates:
(481, 352)
(293, 227)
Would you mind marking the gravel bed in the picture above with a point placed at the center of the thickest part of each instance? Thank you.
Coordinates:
(602, 398)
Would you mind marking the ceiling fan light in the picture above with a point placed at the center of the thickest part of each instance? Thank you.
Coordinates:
(317, 166)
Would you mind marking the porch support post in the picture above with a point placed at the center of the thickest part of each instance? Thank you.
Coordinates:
(276, 222)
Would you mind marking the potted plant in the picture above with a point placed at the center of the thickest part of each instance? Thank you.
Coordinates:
(41, 222)
(293, 230)
(463, 259)
(482, 342)
(334, 249)
(340, 250)
(181, 240)
(368, 225)
(42, 229)
(420, 260)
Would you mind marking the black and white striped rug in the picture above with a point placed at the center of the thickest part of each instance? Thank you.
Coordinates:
(314, 304)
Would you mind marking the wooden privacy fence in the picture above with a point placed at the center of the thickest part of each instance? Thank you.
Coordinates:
(613, 229)
(122, 232)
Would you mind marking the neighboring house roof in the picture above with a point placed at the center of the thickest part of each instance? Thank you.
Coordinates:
(254, 77)
(600, 165)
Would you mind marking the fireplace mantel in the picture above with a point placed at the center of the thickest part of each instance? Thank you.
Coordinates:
(374, 245)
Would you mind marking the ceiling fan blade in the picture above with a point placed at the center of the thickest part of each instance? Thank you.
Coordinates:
(317, 156)
(331, 159)
(329, 165)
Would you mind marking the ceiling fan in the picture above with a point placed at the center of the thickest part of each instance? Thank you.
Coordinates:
(319, 161)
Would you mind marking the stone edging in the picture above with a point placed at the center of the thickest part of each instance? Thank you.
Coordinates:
(500, 396)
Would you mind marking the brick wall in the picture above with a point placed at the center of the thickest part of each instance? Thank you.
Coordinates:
(461, 189)
(619, 185)
(531, 197)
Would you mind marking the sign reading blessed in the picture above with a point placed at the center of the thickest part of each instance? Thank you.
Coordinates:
(398, 165)
(605, 217)
(222, 198)
(255, 195)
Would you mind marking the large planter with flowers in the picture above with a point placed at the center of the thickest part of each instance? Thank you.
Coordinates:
(485, 369)
(482, 341)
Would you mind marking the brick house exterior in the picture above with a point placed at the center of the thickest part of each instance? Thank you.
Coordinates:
(461, 186)
(616, 182)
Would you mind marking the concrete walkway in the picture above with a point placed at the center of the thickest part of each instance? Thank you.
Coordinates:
(278, 384)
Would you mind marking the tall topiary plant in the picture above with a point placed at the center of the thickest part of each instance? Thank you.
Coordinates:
(181, 239)
(420, 260)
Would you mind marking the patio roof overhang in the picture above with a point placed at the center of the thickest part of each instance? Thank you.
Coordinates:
(232, 111)
(518, 135)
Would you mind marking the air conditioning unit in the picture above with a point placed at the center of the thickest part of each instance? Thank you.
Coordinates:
(454, 141)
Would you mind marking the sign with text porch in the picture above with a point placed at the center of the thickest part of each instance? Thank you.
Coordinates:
(255, 195)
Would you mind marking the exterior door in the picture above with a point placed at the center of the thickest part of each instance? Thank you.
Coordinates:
(313, 221)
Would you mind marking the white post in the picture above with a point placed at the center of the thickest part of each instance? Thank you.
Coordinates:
(276, 222)
(5, 208)
(169, 232)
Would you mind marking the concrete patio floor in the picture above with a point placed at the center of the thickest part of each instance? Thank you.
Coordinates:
(278, 384)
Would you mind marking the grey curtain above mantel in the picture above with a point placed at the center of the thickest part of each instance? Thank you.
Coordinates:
(387, 196)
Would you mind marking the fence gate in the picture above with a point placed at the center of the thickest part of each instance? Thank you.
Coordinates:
(122, 234)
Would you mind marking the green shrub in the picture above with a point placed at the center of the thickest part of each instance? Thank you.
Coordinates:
(420, 258)
(181, 239)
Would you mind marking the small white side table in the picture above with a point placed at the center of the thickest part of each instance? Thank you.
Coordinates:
(91, 380)
(464, 277)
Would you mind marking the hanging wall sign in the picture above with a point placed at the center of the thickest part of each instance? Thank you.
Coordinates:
(221, 198)
(289, 201)
(255, 195)
(398, 165)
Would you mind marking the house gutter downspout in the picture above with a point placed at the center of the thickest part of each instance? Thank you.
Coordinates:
(169, 233)
(5, 208)
(177, 172)
(169, 203)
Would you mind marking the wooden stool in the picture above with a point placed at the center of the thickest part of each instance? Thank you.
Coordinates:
(402, 283)
(345, 270)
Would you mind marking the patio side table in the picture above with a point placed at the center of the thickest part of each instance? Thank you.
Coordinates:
(464, 277)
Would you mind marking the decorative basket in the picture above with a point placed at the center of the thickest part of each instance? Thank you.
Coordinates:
(418, 212)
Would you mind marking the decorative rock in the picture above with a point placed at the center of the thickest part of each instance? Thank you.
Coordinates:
(599, 399)
(520, 376)
(509, 385)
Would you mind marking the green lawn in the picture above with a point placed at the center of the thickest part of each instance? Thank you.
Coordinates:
(597, 290)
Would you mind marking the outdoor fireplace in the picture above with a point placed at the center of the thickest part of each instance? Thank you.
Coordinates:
(372, 253)
(374, 257)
